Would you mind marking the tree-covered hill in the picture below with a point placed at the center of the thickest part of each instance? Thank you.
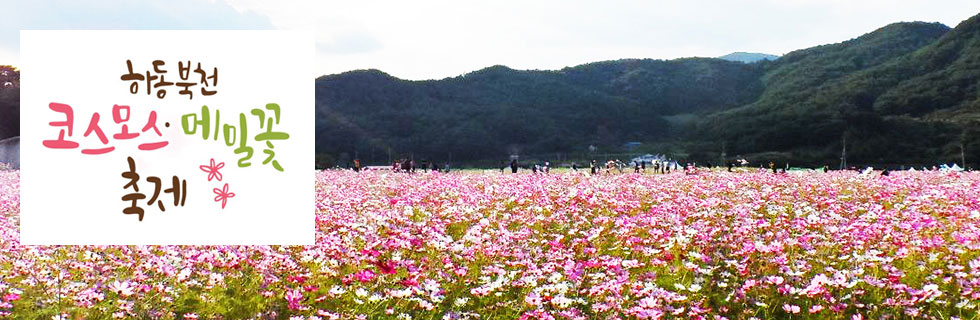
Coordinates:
(497, 111)
(905, 93)
(899, 94)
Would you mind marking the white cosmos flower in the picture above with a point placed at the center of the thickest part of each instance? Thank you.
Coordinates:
(561, 302)
(361, 292)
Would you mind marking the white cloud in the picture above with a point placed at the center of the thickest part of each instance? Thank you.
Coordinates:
(116, 14)
(436, 39)
(443, 38)
(9, 57)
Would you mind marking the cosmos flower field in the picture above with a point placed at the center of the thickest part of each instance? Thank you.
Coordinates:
(836, 245)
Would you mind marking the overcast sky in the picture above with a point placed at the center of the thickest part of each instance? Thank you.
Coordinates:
(436, 39)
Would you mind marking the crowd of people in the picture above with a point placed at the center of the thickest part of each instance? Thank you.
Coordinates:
(613, 166)
(594, 167)
(409, 166)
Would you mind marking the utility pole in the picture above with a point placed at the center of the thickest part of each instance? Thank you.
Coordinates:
(843, 137)
(722, 163)
(962, 156)
(843, 152)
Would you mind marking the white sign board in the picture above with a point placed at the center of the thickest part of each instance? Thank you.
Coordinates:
(167, 137)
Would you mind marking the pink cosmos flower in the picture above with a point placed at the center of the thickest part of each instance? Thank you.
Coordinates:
(480, 291)
(365, 275)
(296, 279)
(122, 288)
(532, 299)
(791, 308)
(410, 281)
(387, 267)
(293, 297)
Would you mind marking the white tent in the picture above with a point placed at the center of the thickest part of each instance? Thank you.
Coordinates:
(946, 168)
(10, 152)
(648, 158)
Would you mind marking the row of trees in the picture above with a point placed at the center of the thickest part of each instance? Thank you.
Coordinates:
(9, 101)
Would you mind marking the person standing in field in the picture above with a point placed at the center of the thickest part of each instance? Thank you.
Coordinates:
(594, 167)
(406, 166)
(357, 165)
(513, 166)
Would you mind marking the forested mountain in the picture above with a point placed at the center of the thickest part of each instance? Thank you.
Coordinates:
(810, 100)
(497, 111)
(906, 93)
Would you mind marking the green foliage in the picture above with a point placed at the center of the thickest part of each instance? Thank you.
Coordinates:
(9, 101)
(905, 101)
(9, 112)
(490, 113)
(903, 94)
